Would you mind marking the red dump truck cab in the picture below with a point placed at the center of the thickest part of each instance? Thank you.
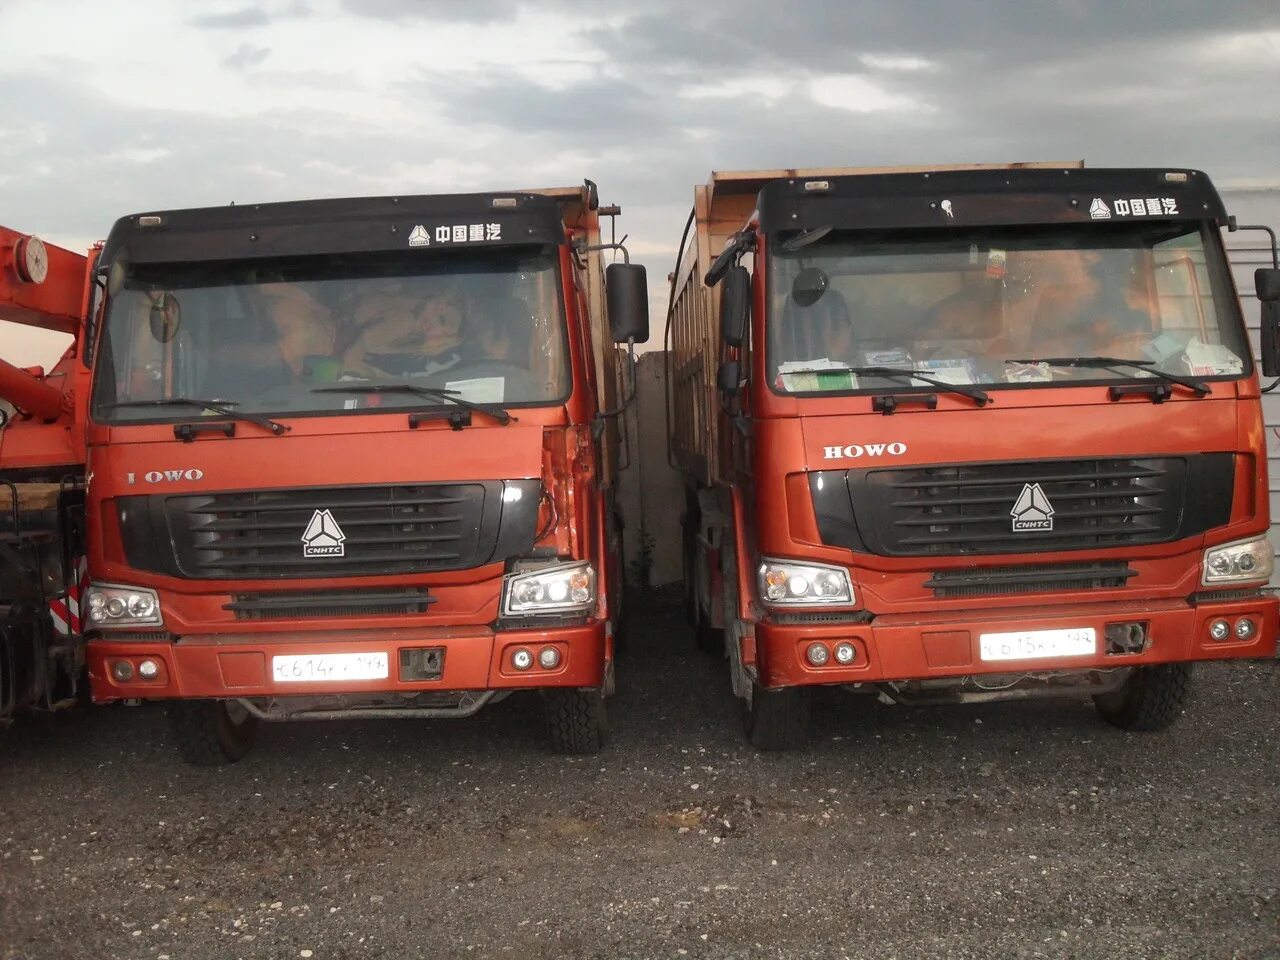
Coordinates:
(347, 458)
(970, 434)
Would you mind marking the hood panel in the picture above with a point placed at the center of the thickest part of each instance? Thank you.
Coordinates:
(262, 462)
(1126, 428)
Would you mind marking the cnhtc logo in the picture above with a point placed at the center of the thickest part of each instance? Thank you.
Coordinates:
(1098, 210)
(1032, 510)
(323, 537)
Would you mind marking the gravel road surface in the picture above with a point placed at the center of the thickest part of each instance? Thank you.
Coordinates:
(1005, 830)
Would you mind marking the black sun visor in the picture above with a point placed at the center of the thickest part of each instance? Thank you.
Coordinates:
(320, 227)
(987, 198)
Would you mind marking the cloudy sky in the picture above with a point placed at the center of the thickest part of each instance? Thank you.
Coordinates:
(111, 108)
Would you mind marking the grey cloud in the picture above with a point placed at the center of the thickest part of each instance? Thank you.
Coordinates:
(479, 11)
(248, 17)
(599, 111)
(1026, 82)
(247, 55)
(830, 34)
(233, 19)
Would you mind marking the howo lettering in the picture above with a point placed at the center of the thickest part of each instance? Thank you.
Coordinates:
(970, 433)
(377, 456)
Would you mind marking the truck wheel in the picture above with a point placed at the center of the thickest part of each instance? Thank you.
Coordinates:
(777, 719)
(211, 733)
(577, 721)
(1151, 699)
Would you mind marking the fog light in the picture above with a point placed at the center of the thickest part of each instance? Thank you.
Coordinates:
(522, 659)
(1245, 628)
(845, 653)
(818, 654)
(122, 670)
(548, 658)
(1219, 629)
(148, 669)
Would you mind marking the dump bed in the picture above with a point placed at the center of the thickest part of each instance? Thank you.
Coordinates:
(722, 207)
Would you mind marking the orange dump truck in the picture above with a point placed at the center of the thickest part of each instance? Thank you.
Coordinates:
(355, 458)
(963, 434)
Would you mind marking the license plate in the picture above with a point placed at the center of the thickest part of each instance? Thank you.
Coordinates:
(1038, 644)
(329, 667)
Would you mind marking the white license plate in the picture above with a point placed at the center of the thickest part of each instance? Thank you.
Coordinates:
(1038, 644)
(329, 667)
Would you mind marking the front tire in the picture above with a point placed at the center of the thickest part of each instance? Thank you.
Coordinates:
(577, 719)
(777, 719)
(212, 733)
(1151, 699)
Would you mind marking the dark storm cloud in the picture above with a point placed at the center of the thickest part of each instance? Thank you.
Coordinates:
(830, 34)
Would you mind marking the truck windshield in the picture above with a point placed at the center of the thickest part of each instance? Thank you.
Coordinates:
(261, 336)
(971, 307)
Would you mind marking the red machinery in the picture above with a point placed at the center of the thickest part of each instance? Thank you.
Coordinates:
(42, 471)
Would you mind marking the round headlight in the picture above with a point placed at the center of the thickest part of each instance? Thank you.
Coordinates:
(1221, 563)
(1246, 563)
(141, 605)
(115, 607)
(1245, 628)
(1219, 629)
(548, 658)
(122, 670)
(148, 669)
(845, 653)
(557, 591)
(522, 659)
(817, 654)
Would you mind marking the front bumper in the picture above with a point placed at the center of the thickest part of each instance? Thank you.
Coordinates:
(919, 647)
(236, 666)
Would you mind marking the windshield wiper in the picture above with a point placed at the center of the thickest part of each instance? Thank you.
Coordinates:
(1201, 389)
(221, 407)
(980, 397)
(434, 393)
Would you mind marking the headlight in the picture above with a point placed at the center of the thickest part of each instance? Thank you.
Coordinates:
(1244, 560)
(786, 584)
(115, 606)
(562, 588)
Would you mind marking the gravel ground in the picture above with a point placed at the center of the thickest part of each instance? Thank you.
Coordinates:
(1012, 830)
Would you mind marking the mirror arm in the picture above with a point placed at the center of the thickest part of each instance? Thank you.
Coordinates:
(631, 362)
(587, 248)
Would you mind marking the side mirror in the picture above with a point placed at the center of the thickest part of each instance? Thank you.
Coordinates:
(728, 378)
(627, 294)
(1270, 336)
(735, 299)
(1266, 283)
(720, 266)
